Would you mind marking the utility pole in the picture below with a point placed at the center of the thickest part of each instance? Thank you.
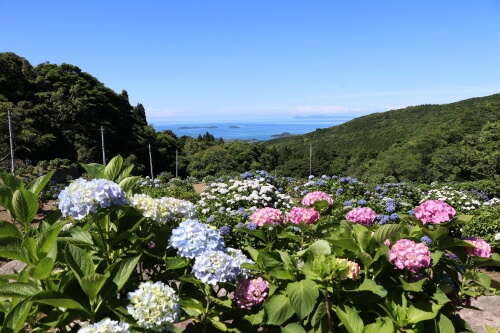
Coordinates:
(11, 140)
(176, 161)
(310, 158)
(151, 163)
(103, 151)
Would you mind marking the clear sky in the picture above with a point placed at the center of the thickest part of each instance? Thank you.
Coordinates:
(245, 60)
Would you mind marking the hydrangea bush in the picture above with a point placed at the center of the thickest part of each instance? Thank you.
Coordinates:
(128, 266)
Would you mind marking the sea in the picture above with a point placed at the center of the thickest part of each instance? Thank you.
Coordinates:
(244, 131)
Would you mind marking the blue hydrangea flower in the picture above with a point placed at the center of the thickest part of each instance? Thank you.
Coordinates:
(239, 225)
(214, 266)
(252, 226)
(348, 203)
(382, 219)
(426, 240)
(192, 237)
(362, 202)
(81, 197)
(211, 219)
(224, 230)
(394, 217)
(339, 191)
(390, 206)
(411, 212)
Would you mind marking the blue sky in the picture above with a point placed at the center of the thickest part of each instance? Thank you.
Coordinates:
(237, 60)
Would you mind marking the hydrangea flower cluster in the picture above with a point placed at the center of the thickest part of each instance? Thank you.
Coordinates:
(361, 215)
(351, 271)
(164, 209)
(302, 215)
(310, 198)
(81, 197)
(481, 248)
(250, 292)
(434, 211)
(192, 237)
(155, 306)
(405, 253)
(246, 193)
(267, 215)
(105, 326)
(214, 266)
(461, 201)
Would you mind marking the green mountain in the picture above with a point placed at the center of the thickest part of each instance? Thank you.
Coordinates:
(450, 142)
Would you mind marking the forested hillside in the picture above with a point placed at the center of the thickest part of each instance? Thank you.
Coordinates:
(58, 112)
(457, 141)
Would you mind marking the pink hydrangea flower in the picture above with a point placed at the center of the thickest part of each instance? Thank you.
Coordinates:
(405, 253)
(310, 198)
(434, 211)
(481, 248)
(267, 215)
(352, 270)
(361, 215)
(305, 215)
(250, 292)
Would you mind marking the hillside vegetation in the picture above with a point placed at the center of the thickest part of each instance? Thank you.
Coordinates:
(58, 112)
(451, 142)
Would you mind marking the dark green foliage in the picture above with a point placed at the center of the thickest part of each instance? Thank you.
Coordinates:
(451, 142)
(485, 224)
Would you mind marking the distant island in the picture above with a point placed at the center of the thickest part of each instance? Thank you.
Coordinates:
(282, 135)
(232, 126)
(194, 127)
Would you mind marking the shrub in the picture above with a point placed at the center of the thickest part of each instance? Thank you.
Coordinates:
(486, 225)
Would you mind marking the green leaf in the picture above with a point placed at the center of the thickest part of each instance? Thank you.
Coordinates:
(320, 247)
(293, 328)
(422, 311)
(79, 261)
(254, 254)
(82, 236)
(175, 263)
(94, 170)
(436, 234)
(14, 321)
(125, 172)
(11, 182)
(6, 198)
(8, 229)
(92, 284)
(56, 299)
(191, 306)
(24, 206)
(255, 319)
(39, 183)
(113, 168)
(12, 248)
(318, 314)
(350, 318)
(218, 325)
(278, 309)
(128, 183)
(303, 296)
(48, 238)
(413, 286)
(445, 324)
(382, 325)
(386, 231)
(120, 271)
(43, 269)
(18, 290)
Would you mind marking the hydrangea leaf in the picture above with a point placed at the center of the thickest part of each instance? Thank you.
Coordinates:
(24, 206)
(19, 289)
(113, 168)
(422, 311)
(413, 286)
(79, 261)
(44, 268)
(278, 309)
(350, 318)
(8, 229)
(386, 231)
(255, 319)
(293, 328)
(37, 185)
(14, 321)
(92, 284)
(303, 296)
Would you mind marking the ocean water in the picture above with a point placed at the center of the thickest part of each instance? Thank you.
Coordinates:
(248, 130)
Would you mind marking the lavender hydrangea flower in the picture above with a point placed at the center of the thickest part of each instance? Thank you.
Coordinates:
(249, 293)
(105, 326)
(192, 237)
(224, 230)
(154, 306)
(81, 197)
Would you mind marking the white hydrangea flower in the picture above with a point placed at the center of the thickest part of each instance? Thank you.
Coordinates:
(105, 326)
(155, 306)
